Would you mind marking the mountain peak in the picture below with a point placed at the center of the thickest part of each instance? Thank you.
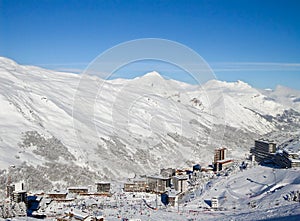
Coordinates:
(150, 77)
(243, 84)
(153, 74)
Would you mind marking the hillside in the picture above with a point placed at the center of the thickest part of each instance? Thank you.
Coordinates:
(55, 135)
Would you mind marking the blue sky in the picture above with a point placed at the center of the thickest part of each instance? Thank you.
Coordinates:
(250, 40)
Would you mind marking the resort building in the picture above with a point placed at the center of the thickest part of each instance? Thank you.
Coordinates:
(158, 184)
(137, 185)
(180, 183)
(103, 187)
(264, 150)
(220, 154)
(289, 157)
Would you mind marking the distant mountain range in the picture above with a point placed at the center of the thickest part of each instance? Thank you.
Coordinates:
(137, 126)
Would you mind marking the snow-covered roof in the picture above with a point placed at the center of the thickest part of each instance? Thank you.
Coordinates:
(62, 192)
(140, 179)
(181, 177)
(266, 141)
(159, 177)
(20, 191)
(102, 182)
(78, 188)
(136, 181)
(225, 161)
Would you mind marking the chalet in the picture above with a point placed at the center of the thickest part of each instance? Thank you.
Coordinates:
(58, 195)
(103, 187)
(78, 190)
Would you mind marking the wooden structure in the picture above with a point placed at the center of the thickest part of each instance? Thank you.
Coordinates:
(78, 190)
(103, 187)
(57, 195)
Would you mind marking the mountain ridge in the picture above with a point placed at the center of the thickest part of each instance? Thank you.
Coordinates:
(133, 128)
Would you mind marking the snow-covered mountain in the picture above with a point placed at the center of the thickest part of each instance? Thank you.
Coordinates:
(137, 126)
(286, 96)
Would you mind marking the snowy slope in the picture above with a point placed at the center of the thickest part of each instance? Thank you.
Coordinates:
(137, 125)
(286, 96)
(257, 193)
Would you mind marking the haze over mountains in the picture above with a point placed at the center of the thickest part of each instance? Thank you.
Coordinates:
(138, 125)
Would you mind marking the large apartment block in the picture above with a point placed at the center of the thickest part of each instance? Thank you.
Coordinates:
(264, 150)
(221, 162)
(220, 154)
(287, 157)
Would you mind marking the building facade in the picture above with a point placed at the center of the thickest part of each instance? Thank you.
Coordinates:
(214, 203)
(264, 150)
(136, 186)
(220, 154)
(78, 190)
(223, 164)
(288, 159)
(103, 187)
(19, 196)
(158, 184)
(180, 183)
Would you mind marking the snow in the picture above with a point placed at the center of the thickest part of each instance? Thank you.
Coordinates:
(287, 96)
(293, 147)
(256, 193)
(136, 125)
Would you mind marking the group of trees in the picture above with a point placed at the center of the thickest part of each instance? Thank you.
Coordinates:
(49, 148)
(8, 210)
